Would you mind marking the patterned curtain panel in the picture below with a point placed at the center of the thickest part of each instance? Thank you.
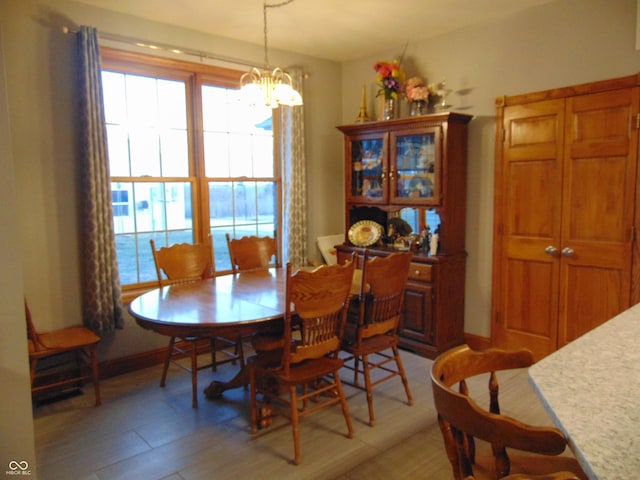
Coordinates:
(102, 309)
(294, 183)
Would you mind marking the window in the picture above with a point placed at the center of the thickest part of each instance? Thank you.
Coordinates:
(187, 160)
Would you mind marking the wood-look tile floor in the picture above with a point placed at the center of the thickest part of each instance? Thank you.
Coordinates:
(145, 432)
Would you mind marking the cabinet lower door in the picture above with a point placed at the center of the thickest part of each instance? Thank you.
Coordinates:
(417, 319)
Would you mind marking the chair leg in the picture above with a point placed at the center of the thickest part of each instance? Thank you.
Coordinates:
(167, 360)
(95, 374)
(253, 399)
(368, 388)
(403, 375)
(293, 398)
(194, 374)
(32, 370)
(213, 347)
(343, 403)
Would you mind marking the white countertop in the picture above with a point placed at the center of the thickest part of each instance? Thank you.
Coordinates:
(591, 389)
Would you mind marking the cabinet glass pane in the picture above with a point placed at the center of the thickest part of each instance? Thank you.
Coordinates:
(415, 165)
(366, 167)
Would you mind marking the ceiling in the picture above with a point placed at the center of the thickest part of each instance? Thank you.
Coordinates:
(336, 30)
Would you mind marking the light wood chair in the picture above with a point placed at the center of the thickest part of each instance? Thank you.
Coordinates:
(462, 421)
(371, 335)
(317, 303)
(185, 263)
(253, 253)
(79, 341)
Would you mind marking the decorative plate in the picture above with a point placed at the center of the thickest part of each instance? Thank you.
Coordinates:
(365, 233)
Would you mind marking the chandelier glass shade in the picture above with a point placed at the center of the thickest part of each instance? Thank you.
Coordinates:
(267, 86)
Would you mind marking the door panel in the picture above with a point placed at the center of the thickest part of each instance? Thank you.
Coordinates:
(526, 310)
(597, 222)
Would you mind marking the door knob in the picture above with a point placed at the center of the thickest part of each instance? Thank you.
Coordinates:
(568, 252)
(551, 250)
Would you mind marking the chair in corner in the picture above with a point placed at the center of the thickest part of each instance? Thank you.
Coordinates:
(371, 334)
(186, 263)
(315, 313)
(77, 340)
(462, 421)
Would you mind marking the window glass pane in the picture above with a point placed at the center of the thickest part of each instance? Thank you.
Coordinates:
(245, 204)
(216, 148)
(221, 203)
(266, 205)
(215, 116)
(263, 155)
(144, 145)
(113, 88)
(177, 201)
(240, 161)
(142, 100)
(118, 147)
(172, 107)
(174, 151)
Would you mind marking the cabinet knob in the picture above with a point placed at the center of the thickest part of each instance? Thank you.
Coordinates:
(551, 250)
(417, 272)
(568, 252)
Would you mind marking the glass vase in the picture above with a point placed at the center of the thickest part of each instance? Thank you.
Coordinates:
(389, 109)
(418, 107)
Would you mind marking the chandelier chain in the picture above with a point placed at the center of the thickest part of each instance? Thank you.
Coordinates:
(264, 19)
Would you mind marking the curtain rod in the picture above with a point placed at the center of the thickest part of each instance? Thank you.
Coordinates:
(137, 42)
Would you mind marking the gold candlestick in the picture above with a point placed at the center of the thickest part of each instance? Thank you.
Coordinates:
(363, 116)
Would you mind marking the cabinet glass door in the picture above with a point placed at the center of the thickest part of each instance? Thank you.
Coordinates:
(368, 170)
(415, 167)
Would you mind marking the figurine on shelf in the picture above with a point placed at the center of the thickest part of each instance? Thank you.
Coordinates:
(433, 243)
(425, 238)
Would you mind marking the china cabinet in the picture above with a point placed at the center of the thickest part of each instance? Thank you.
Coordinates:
(405, 188)
(565, 246)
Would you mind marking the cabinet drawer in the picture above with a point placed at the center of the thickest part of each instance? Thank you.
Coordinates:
(419, 271)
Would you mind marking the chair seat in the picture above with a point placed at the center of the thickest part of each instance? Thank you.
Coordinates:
(310, 370)
(66, 339)
(370, 345)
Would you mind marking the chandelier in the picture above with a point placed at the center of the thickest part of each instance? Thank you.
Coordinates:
(266, 86)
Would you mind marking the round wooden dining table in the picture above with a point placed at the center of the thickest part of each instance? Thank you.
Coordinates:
(233, 305)
(225, 305)
(236, 304)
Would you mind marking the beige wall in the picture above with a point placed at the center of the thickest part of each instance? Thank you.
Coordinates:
(561, 43)
(16, 424)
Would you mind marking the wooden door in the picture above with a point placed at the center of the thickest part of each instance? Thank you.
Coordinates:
(601, 139)
(564, 214)
(528, 216)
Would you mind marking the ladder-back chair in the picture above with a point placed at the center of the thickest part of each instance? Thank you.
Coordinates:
(371, 335)
(316, 309)
(185, 263)
(253, 253)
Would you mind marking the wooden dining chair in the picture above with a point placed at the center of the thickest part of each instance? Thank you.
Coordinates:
(462, 421)
(371, 334)
(252, 252)
(78, 341)
(316, 305)
(185, 263)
